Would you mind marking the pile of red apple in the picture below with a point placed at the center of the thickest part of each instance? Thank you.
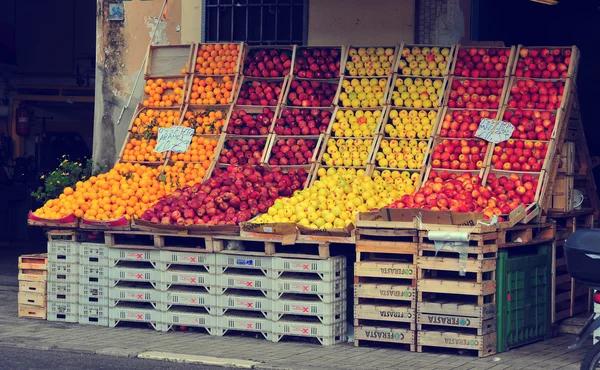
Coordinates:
(242, 151)
(463, 123)
(531, 124)
(263, 93)
(543, 63)
(482, 63)
(475, 94)
(244, 123)
(268, 63)
(317, 63)
(292, 151)
(459, 154)
(519, 155)
(294, 121)
(531, 94)
(304, 93)
(465, 193)
(229, 197)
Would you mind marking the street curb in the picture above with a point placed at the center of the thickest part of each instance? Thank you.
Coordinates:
(204, 360)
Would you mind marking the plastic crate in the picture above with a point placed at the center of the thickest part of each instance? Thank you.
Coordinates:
(59, 287)
(116, 255)
(188, 258)
(250, 281)
(523, 296)
(93, 315)
(189, 296)
(63, 311)
(93, 294)
(62, 248)
(245, 321)
(226, 261)
(187, 316)
(132, 312)
(299, 284)
(244, 301)
(93, 254)
(330, 269)
(135, 273)
(134, 292)
(301, 326)
(97, 275)
(327, 313)
(63, 272)
(188, 275)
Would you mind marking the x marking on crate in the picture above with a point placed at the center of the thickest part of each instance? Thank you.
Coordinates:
(249, 326)
(249, 283)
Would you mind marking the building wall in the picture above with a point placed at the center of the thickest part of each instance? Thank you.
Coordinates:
(443, 21)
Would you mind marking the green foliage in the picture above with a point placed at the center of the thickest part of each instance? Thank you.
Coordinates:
(66, 175)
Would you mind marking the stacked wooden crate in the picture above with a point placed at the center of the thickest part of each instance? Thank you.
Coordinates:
(33, 275)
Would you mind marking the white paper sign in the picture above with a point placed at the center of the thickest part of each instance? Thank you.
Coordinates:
(176, 139)
(494, 131)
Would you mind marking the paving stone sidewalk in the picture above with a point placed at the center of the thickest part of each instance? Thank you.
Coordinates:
(44, 335)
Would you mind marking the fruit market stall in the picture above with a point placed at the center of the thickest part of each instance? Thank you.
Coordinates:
(252, 176)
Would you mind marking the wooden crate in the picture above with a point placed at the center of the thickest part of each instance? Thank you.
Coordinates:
(33, 275)
(483, 345)
(32, 312)
(562, 193)
(34, 261)
(169, 60)
(369, 334)
(32, 299)
(567, 159)
(530, 234)
(32, 287)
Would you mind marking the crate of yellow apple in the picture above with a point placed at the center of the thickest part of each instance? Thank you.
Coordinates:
(127, 191)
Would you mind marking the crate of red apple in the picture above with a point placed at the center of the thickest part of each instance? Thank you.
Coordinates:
(310, 93)
(259, 92)
(292, 150)
(321, 62)
(527, 93)
(546, 62)
(302, 121)
(459, 154)
(519, 155)
(268, 62)
(481, 93)
(251, 121)
(463, 123)
(482, 62)
(531, 124)
(239, 150)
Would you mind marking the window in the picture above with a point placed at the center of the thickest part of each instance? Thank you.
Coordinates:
(259, 22)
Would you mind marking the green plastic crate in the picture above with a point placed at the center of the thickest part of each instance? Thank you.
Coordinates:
(523, 296)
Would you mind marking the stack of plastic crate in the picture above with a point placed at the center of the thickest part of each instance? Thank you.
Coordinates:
(32, 285)
(93, 284)
(243, 294)
(135, 289)
(187, 281)
(309, 298)
(63, 278)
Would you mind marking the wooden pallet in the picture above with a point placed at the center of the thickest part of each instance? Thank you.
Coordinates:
(482, 345)
(34, 261)
(529, 234)
(145, 240)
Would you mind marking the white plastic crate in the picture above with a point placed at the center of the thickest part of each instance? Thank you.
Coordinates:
(301, 327)
(63, 272)
(246, 301)
(132, 312)
(328, 291)
(327, 313)
(63, 258)
(152, 256)
(63, 298)
(135, 273)
(188, 258)
(93, 315)
(188, 275)
(63, 311)
(90, 274)
(226, 261)
(93, 254)
(248, 281)
(132, 292)
(186, 316)
(63, 248)
(93, 294)
(59, 287)
(330, 269)
(189, 296)
(244, 321)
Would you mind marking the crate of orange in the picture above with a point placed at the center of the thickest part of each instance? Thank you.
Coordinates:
(212, 90)
(206, 121)
(181, 174)
(149, 120)
(201, 150)
(218, 59)
(169, 60)
(164, 92)
(140, 149)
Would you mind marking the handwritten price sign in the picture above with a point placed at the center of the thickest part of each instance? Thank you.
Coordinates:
(494, 130)
(176, 139)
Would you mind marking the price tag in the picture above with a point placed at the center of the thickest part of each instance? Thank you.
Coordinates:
(176, 139)
(494, 131)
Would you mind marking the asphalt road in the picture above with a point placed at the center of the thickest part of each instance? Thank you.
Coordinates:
(26, 359)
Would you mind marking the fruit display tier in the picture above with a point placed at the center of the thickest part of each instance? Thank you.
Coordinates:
(370, 61)
(417, 92)
(433, 61)
(320, 62)
(546, 62)
(261, 92)
(217, 59)
(483, 61)
(363, 92)
(269, 61)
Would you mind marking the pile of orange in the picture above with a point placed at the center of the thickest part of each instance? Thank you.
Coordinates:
(152, 119)
(211, 91)
(126, 190)
(140, 149)
(217, 59)
(201, 150)
(182, 174)
(209, 122)
(164, 93)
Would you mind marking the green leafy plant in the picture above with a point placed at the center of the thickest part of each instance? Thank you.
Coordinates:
(67, 174)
